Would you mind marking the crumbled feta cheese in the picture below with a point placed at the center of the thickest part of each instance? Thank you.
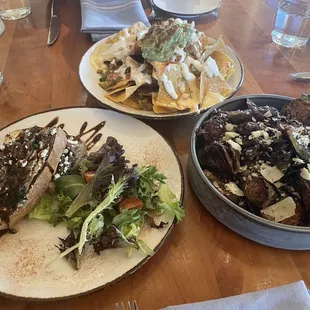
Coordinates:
(239, 141)
(243, 168)
(260, 133)
(66, 151)
(44, 153)
(73, 142)
(23, 163)
(281, 210)
(305, 174)
(234, 189)
(253, 119)
(66, 159)
(54, 130)
(268, 114)
(298, 160)
(235, 145)
(278, 184)
(229, 127)
(231, 134)
(271, 174)
(70, 153)
(10, 162)
(65, 169)
(2, 147)
(57, 176)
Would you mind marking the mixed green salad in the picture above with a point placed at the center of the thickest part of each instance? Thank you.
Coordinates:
(105, 203)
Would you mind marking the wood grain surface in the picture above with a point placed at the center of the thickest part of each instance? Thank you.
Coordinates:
(202, 259)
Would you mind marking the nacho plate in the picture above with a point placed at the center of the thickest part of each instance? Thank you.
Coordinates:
(89, 78)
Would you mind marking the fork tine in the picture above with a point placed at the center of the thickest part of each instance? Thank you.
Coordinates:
(135, 305)
(129, 305)
(123, 307)
(116, 306)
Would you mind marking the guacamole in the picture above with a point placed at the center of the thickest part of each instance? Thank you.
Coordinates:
(162, 39)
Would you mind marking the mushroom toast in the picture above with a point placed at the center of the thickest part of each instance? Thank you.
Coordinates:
(28, 160)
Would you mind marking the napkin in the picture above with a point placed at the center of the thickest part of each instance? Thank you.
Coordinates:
(102, 18)
(294, 296)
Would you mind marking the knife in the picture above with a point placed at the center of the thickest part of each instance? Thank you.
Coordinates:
(54, 23)
(301, 76)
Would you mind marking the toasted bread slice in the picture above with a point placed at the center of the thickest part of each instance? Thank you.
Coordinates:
(33, 154)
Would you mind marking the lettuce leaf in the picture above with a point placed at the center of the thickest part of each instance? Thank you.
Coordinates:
(69, 185)
(169, 203)
(45, 209)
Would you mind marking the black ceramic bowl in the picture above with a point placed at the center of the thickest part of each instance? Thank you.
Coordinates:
(231, 215)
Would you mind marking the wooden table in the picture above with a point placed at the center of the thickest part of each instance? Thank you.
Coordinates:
(202, 259)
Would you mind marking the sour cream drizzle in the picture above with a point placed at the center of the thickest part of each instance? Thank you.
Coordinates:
(188, 76)
(169, 87)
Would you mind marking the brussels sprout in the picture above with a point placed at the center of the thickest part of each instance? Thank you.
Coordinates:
(219, 158)
(299, 109)
(213, 129)
(223, 188)
(259, 192)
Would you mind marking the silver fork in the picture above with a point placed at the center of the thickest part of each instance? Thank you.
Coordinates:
(129, 307)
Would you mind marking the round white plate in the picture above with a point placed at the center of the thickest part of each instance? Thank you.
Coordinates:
(187, 7)
(27, 268)
(90, 79)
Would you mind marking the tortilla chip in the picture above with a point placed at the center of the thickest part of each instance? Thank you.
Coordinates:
(133, 102)
(211, 99)
(133, 30)
(224, 63)
(121, 96)
(119, 46)
(218, 45)
(116, 90)
(186, 100)
(213, 85)
(162, 110)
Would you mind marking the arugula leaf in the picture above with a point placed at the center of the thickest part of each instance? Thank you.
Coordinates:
(128, 216)
(169, 203)
(144, 247)
(81, 200)
(69, 185)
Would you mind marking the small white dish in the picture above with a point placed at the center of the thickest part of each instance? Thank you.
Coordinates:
(187, 7)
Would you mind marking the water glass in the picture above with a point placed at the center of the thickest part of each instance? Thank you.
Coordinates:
(1, 77)
(14, 9)
(292, 23)
(2, 27)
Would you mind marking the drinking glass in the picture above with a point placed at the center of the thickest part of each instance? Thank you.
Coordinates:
(2, 27)
(14, 9)
(292, 23)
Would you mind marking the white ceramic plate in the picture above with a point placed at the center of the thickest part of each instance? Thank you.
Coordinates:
(90, 79)
(187, 7)
(25, 257)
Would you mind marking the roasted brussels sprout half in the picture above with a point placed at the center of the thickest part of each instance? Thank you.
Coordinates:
(259, 192)
(299, 109)
(219, 158)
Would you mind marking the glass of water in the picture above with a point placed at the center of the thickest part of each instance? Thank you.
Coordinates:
(292, 23)
(14, 9)
(2, 27)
